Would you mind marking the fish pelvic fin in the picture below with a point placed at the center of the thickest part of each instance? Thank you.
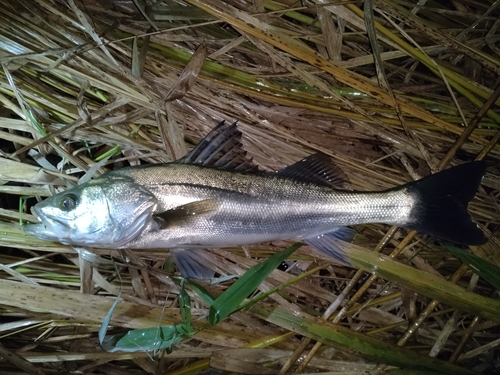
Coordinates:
(334, 243)
(192, 263)
(441, 204)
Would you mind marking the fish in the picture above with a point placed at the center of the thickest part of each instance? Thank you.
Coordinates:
(215, 197)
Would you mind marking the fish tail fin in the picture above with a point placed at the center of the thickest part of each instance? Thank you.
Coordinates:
(441, 204)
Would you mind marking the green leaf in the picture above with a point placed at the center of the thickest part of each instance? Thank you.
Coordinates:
(482, 267)
(148, 339)
(230, 300)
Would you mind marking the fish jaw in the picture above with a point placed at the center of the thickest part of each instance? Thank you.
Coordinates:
(48, 229)
(45, 232)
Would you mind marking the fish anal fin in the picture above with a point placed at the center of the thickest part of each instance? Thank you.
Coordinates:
(317, 168)
(186, 213)
(192, 263)
(221, 148)
(334, 243)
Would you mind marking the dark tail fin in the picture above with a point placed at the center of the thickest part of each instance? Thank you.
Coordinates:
(442, 198)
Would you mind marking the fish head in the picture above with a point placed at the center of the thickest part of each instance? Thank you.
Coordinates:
(109, 211)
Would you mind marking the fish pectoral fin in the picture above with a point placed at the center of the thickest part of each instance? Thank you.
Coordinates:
(182, 215)
(334, 243)
(192, 263)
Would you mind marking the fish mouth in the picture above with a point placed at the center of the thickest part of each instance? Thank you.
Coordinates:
(48, 228)
(44, 218)
(37, 213)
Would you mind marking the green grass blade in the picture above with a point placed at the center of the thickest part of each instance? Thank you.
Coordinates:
(230, 300)
(203, 293)
(185, 306)
(149, 339)
(424, 283)
(482, 267)
(351, 341)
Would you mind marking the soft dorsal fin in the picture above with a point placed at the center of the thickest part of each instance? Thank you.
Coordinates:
(221, 148)
(317, 168)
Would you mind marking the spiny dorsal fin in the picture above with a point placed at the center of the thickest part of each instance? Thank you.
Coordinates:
(317, 168)
(221, 148)
(183, 215)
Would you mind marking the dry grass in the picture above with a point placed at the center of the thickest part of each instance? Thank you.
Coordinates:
(391, 98)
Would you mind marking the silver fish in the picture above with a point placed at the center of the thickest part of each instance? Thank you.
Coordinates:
(214, 197)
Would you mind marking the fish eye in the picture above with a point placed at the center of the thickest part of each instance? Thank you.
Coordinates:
(68, 202)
